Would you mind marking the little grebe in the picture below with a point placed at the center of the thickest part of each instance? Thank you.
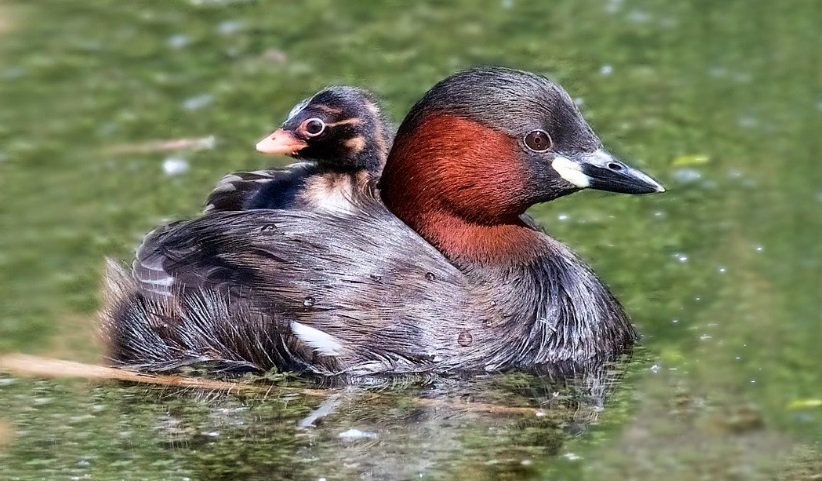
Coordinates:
(447, 278)
(343, 137)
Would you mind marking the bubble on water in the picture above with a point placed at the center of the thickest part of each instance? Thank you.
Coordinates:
(572, 456)
(674, 321)
(659, 214)
(687, 175)
(275, 55)
(356, 434)
(563, 217)
(747, 121)
(218, 3)
(639, 16)
(749, 183)
(717, 72)
(705, 337)
(656, 368)
(606, 69)
(742, 77)
(308, 301)
(107, 128)
(13, 73)
(178, 41)
(613, 6)
(175, 166)
(229, 27)
(680, 257)
(579, 101)
(197, 102)
(759, 247)
(525, 462)
(722, 269)
(668, 22)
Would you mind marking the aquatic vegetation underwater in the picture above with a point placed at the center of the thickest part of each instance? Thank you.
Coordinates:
(118, 116)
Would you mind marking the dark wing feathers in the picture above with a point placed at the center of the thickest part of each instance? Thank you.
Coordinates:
(261, 189)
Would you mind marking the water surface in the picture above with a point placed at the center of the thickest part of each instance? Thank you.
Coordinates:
(719, 100)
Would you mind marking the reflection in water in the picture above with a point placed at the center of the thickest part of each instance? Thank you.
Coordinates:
(445, 428)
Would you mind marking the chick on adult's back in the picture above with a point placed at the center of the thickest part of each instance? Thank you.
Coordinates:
(343, 138)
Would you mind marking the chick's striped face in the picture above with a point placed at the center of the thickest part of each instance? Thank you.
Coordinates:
(341, 127)
(307, 120)
(334, 127)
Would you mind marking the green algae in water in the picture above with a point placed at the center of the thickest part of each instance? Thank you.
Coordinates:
(721, 273)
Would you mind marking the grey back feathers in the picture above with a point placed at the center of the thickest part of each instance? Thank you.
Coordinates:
(262, 289)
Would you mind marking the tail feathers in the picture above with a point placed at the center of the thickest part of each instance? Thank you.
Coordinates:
(149, 332)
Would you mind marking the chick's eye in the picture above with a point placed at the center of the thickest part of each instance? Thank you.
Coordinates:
(538, 140)
(314, 127)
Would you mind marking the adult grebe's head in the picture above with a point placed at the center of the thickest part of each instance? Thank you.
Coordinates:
(485, 144)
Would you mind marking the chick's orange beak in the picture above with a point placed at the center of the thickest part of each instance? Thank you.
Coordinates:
(281, 142)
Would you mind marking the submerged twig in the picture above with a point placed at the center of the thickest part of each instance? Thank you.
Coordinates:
(25, 365)
(35, 366)
(200, 143)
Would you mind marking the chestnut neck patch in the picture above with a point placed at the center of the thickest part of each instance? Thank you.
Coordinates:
(462, 186)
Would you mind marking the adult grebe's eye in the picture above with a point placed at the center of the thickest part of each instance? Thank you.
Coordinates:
(538, 140)
(313, 127)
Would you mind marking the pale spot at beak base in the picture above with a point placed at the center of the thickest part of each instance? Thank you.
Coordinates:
(570, 171)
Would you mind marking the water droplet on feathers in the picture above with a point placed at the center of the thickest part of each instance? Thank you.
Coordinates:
(465, 338)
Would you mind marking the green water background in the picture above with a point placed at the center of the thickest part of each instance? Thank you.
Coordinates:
(721, 101)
